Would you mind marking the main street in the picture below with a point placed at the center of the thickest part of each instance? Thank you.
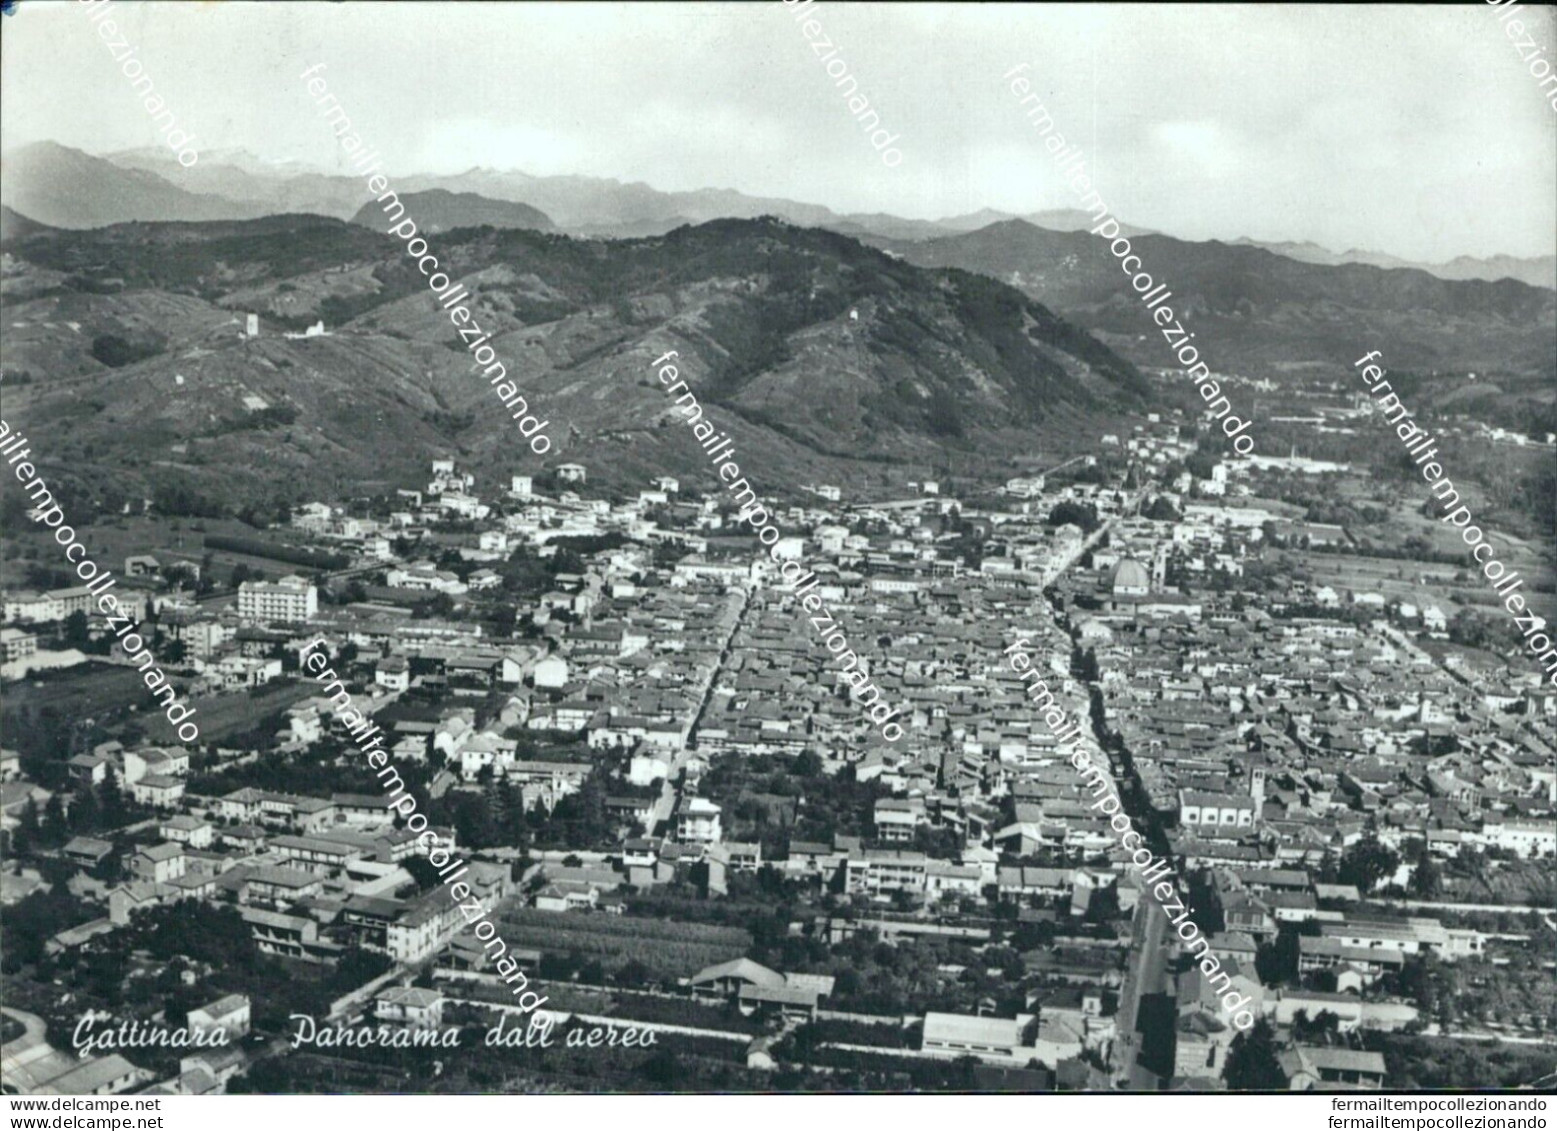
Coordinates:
(1139, 1024)
(729, 622)
(1144, 1041)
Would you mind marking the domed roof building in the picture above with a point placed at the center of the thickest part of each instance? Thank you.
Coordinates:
(1129, 578)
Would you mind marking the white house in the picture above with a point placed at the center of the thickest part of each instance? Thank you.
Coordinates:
(552, 672)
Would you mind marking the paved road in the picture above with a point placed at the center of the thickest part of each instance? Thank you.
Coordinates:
(29, 1063)
(1130, 507)
(1147, 977)
(665, 804)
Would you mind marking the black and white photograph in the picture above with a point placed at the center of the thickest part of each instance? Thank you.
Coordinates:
(1149, 687)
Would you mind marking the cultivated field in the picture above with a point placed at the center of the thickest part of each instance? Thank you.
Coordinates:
(669, 950)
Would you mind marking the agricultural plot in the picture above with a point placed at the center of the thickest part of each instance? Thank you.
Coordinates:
(669, 950)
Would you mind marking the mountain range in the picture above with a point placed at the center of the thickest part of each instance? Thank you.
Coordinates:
(70, 189)
(819, 355)
(1537, 271)
(823, 353)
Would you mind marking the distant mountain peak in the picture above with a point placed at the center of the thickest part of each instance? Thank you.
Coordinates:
(67, 188)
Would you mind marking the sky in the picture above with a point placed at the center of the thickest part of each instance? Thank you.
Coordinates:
(1413, 130)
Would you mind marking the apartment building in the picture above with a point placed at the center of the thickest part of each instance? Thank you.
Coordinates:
(697, 821)
(882, 871)
(16, 644)
(289, 600)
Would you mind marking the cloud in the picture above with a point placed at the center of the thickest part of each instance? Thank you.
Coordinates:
(1202, 142)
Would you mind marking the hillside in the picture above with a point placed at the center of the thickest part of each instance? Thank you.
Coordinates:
(1259, 312)
(13, 225)
(438, 210)
(813, 350)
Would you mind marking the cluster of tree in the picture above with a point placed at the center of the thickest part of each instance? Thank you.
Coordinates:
(494, 817)
(197, 930)
(527, 574)
(943, 414)
(1252, 1061)
(1324, 1028)
(324, 768)
(970, 539)
(1349, 515)
(45, 576)
(1083, 515)
(1276, 961)
(262, 515)
(874, 977)
(75, 633)
(36, 918)
(573, 549)
(1426, 873)
(1102, 471)
(243, 572)
(117, 352)
(45, 737)
(823, 806)
(1416, 1063)
(439, 606)
(348, 593)
(1474, 628)
(1412, 548)
(180, 500)
(1367, 863)
(90, 810)
(667, 553)
(580, 819)
(261, 548)
(1305, 610)
(195, 936)
(83, 502)
(1518, 485)
(1161, 509)
(261, 420)
(1201, 462)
